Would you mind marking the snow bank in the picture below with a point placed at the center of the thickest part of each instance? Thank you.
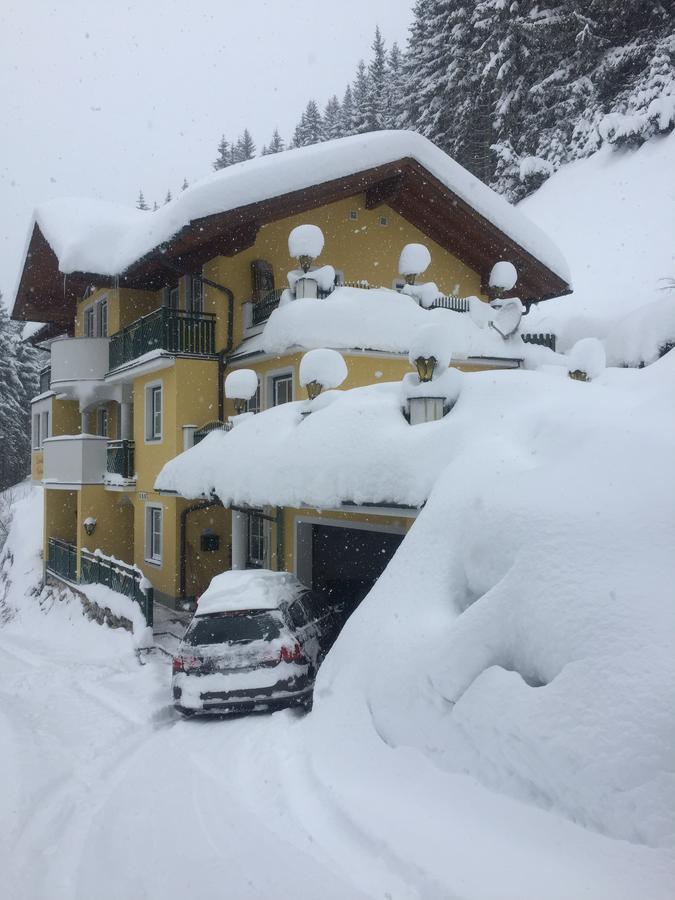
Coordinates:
(382, 319)
(612, 215)
(641, 336)
(524, 633)
(105, 238)
(247, 589)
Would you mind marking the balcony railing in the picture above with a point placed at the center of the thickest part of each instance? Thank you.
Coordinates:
(95, 568)
(120, 459)
(543, 340)
(45, 379)
(201, 433)
(62, 559)
(167, 329)
(456, 304)
(264, 308)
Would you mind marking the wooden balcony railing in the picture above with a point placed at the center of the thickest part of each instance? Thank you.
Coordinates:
(167, 329)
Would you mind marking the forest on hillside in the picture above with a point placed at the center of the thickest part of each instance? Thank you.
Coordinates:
(511, 90)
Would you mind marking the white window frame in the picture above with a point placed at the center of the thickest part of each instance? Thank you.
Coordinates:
(151, 434)
(253, 405)
(102, 422)
(89, 321)
(37, 443)
(44, 426)
(258, 539)
(154, 515)
(101, 326)
(190, 281)
(271, 385)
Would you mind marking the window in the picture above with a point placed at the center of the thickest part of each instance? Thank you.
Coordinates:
(103, 317)
(153, 412)
(36, 432)
(262, 279)
(298, 614)
(383, 220)
(102, 421)
(170, 298)
(256, 542)
(253, 405)
(89, 323)
(353, 214)
(44, 426)
(282, 389)
(153, 534)
(194, 294)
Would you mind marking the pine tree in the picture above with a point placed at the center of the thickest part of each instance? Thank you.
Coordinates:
(347, 113)
(140, 202)
(224, 157)
(245, 148)
(155, 207)
(168, 198)
(332, 119)
(185, 185)
(376, 91)
(20, 364)
(276, 145)
(360, 96)
(393, 87)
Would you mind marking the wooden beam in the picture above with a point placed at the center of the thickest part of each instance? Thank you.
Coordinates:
(384, 191)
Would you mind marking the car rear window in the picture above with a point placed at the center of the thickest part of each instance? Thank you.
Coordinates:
(238, 628)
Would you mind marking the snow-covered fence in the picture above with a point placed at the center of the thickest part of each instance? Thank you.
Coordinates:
(96, 568)
(543, 340)
(216, 425)
(456, 304)
(62, 559)
(264, 308)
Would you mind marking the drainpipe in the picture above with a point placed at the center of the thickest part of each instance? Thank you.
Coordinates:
(182, 579)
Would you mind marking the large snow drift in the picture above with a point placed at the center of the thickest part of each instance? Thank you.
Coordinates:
(105, 238)
(525, 631)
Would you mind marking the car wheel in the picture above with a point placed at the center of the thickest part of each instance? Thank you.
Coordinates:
(184, 713)
(307, 702)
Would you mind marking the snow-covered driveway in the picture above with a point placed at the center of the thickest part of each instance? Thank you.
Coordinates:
(105, 794)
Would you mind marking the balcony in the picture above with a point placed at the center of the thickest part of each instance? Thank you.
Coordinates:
(172, 330)
(120, 462)
(78, 368)
(45, 379)
(74, 459)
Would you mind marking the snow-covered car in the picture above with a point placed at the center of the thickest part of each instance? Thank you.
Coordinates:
(255, 642)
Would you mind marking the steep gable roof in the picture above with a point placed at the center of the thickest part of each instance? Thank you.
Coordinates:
(94, 241)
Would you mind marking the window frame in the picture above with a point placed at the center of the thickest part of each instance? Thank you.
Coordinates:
(89, 321)
(36, 442)
(154, 516)
(253, 405)
(190, 305)
(152, 434)
(44, 426)
(102, 422)
(275, 379)
(256, 541)
(101, 317)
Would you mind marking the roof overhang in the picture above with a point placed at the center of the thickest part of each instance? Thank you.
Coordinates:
(46, 294)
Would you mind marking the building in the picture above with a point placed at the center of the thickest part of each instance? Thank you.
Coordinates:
(145, 313)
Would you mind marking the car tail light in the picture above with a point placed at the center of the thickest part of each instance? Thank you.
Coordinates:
(185, 663)
(292, 653)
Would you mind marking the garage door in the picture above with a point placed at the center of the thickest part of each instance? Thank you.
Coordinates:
(346, 562)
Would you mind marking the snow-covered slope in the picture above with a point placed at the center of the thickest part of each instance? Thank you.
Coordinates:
(613, 216)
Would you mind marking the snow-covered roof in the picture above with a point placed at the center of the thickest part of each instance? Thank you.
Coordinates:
(376, 319)
(356, 446)
(106, 238)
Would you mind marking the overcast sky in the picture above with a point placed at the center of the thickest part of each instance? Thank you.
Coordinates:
(99, 99)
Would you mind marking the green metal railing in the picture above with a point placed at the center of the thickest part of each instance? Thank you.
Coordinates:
(456, 304)
(264, 308)
(543, 340)
(201, 433)
(118, 576)
(120, 458)
(167, 329)
(62, 559)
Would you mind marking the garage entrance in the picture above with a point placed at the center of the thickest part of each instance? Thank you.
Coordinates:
(343, 563)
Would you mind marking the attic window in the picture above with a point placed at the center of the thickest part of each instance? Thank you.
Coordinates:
(383, 220)
(353, 214)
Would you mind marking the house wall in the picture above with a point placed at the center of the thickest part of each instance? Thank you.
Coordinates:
(60, 510)
(201, 565)
(114, 514)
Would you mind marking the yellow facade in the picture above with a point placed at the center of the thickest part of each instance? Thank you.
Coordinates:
(361, 244)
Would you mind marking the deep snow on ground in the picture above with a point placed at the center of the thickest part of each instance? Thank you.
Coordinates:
(105, 794)
(613, 217)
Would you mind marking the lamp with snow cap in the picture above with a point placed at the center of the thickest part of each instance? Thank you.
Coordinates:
(426, 366)
(89, 526)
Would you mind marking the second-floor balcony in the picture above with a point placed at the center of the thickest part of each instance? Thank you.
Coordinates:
(172, 330)
(74, 459)
(120, 461)
(78, 365)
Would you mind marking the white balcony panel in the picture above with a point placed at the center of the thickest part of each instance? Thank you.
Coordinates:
(79, 366)
(75, 459)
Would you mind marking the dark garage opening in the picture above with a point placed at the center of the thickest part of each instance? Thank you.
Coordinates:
(346, 562)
